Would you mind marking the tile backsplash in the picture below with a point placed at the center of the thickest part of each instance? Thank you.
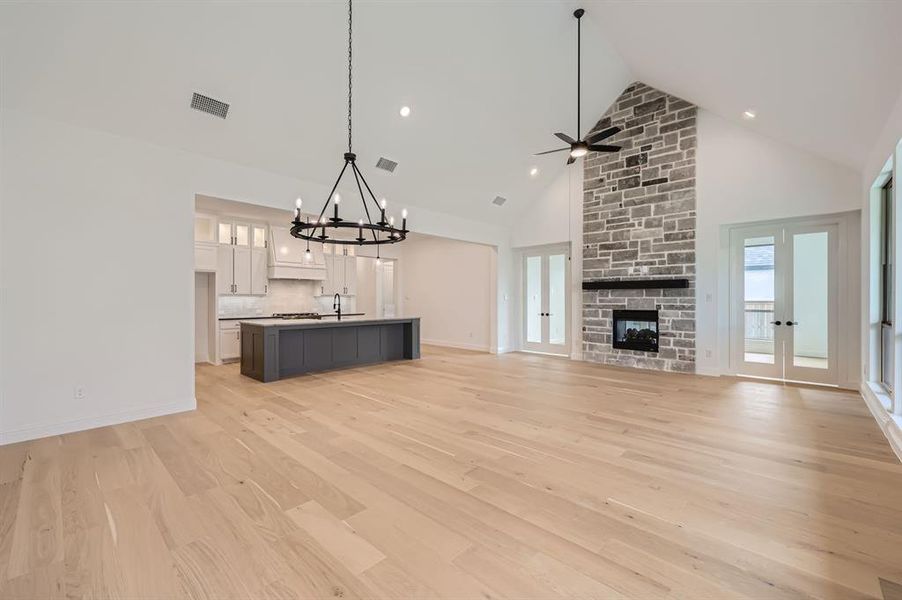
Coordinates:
(285, 295)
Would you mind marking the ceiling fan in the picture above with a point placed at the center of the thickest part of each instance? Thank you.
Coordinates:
(581, 147)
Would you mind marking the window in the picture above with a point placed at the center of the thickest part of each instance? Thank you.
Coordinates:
(887, 287)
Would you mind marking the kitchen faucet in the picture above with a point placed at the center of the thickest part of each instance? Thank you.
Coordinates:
(336, 305)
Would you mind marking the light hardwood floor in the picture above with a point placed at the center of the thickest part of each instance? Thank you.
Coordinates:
(462, 475)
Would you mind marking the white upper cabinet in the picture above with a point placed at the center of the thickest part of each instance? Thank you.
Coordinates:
(288, 258)
(205, 228)
(341, 276)
(259, 236)
(351, 275)
(225, 270)
(205, 242)
(241, 259)
(259, 278)
(225, 235)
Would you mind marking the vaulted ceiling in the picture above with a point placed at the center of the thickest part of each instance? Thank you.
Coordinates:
(488, 83)
(822, 76)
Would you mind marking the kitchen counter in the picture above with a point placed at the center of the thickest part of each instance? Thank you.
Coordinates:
(245, 318)
(315, 323)
(272, 349)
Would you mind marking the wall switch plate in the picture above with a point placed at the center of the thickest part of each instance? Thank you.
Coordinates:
(79, 393)
(708, 354)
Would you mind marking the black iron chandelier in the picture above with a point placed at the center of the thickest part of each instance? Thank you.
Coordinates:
(325, 229)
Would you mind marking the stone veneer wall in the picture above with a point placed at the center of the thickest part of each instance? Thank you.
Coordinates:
(639, 223)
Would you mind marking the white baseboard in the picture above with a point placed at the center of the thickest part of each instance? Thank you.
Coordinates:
(46, 430)
(708, 372)
(890, 425)
(458, 345)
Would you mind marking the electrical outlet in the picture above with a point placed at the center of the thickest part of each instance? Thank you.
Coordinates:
(79, 393)
(708, 354)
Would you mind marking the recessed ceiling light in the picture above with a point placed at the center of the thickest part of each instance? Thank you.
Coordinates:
(405, 111)
(749, 114)
(534, 171)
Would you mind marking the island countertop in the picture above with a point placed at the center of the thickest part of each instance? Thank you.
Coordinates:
(273, 349)
(327, 322)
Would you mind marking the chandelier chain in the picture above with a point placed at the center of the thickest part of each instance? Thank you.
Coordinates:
(350, 57)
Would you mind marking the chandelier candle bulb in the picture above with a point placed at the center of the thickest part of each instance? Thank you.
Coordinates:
(297, 215)
(336, 199)
(360, 230)
(404, 220)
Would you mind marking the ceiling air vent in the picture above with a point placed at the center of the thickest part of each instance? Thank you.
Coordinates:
(498, 201)
(386, 165)
(209, 105)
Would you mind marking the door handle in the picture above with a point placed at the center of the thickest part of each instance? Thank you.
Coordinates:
(776, 322)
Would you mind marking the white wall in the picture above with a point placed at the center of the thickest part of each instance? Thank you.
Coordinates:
(745, 177)
(448, 284)
(96, 269)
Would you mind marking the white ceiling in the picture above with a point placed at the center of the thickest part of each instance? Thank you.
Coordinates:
(488, 82)
(821, 75)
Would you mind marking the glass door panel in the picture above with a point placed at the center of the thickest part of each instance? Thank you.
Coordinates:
(225, 233)
(811, 305)
(259, 237)
(809, 287)
(758, 300)
(242, 235)
(557, 303)
(534, 299)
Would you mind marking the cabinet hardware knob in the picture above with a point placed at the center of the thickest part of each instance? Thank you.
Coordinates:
(776, 322)
(791, 323)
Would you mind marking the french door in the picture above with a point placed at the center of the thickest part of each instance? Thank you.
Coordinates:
(546, 305)
(783, 290)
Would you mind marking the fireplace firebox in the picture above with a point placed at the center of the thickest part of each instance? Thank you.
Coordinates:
(635, 330)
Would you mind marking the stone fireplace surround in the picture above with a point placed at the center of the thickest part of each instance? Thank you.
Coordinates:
(639, 223)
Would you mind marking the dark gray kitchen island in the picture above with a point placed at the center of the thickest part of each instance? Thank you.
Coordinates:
(273, 349)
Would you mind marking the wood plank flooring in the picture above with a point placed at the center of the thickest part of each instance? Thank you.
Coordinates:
(463, 475)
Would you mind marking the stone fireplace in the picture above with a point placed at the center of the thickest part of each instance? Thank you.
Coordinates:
(639, 224)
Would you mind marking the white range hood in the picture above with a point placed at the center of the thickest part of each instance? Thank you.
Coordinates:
(287, 257)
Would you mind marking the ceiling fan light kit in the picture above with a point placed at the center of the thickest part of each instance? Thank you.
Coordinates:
(580, 147)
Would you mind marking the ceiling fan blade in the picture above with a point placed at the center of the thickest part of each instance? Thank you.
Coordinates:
(550, 151)
(602, 135)
(566, 138)
(571, 160)
(603, 148)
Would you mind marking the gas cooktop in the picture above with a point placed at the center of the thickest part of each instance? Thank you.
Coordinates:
(304, 315)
